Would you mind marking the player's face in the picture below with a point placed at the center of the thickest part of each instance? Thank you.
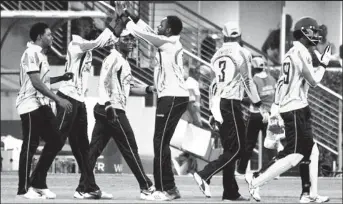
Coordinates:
(87, 29)
(162, 28)
(47, 38)
(126, 43)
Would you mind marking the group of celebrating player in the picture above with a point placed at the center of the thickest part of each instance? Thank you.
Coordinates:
(232, 67)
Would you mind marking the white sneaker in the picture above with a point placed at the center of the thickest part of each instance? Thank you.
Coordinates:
(105, 195)
(79, 195)
(254, 191)
(239, 175)
(158, 196)
(305, 198)
(32, 194)
(45, 192)
(147, 192)
(320, 199)
(204, 187)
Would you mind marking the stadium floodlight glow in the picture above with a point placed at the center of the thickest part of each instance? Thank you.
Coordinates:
(52, 14)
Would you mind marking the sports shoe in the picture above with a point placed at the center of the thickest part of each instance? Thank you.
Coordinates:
(79, 195)
(158, 196)
(239, 175)
(105, 195)
(254, 191)
(240, 198)
(92, 195)
(45, 192)
(306, 198)
(204, 187)
(147, 192)
(32, 194)
(173, 193)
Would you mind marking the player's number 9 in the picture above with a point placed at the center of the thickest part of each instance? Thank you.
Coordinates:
(286, 69)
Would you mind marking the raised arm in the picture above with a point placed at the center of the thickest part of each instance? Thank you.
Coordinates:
(312, 75)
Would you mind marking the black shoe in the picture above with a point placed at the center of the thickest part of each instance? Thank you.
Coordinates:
(173, 193)
(240, 198)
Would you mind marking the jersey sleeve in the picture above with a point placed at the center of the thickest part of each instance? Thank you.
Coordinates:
(105, 79)
(311, 75)
(248, 82)
(104, 39)
(146, 34)
(30, 62)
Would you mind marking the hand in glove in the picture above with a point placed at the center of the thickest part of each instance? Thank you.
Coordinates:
(324, 58)
(214, 124)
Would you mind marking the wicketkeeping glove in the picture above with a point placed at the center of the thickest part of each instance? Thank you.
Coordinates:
(325, 57)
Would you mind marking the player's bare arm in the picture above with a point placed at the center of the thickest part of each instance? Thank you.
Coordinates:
(41, 87)
(65, 77)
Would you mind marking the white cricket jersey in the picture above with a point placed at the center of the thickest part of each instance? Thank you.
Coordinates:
(232, 66)
(115, 80)
(297, 73)
(32, 60)
(169, 72)
(79, 62)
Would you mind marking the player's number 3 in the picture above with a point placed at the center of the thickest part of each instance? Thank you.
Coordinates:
(222, 67)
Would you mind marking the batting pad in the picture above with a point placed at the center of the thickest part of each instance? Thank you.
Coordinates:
(279, 167)
(314, 171)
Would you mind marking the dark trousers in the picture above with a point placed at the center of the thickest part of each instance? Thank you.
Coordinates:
(299, 139)
(40, 123)
(254, 126)
(232, 134)
(298, 132)
(74, 126)
(168, 113)
(124, 137)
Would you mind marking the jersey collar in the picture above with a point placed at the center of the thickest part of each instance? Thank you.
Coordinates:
(33, 46)
(299, 45)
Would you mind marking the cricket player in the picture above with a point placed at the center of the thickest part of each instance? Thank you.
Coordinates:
(74, 125)
(298, 74)
(38, 120)
(265, 84)
(172, 94)
(115, 84)
(232, 66)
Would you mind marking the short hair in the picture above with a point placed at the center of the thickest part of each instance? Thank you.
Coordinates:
(175, 24)
(37, 29)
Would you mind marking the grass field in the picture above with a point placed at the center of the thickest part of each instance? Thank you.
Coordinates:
(124, 188)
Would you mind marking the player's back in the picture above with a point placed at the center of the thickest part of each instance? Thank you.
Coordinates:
(226, 63)
(292, 87)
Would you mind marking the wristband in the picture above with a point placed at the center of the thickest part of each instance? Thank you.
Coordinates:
(147, 90)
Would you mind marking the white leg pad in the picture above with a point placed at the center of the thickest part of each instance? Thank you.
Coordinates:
(279, 167)
(314, 171)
